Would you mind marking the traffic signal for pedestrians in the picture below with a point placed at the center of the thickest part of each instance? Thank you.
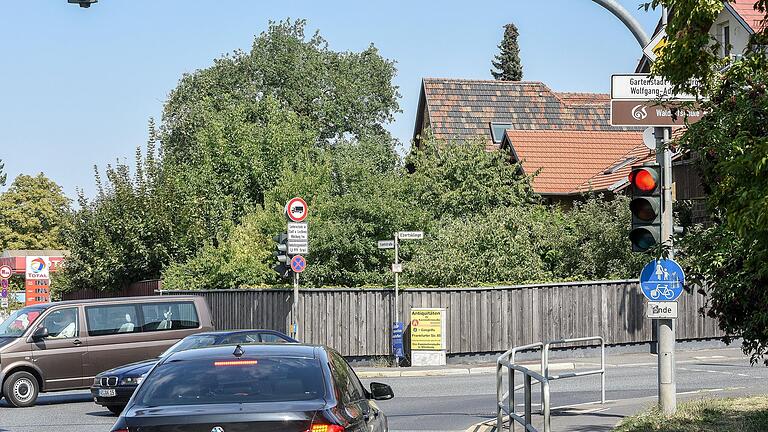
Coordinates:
(283, 266)
(645, 183)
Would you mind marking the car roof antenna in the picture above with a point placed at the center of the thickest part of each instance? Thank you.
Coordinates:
(238, 351)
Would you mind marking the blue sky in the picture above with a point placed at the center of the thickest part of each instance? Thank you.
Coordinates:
(78, 85)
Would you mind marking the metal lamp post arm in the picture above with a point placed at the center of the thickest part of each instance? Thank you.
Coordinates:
(632, 24)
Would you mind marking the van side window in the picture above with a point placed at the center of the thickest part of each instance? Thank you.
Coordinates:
(169, 316)
(61, 324)
(113, 319)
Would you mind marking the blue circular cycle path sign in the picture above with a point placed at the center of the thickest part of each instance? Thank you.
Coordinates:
(662, 280)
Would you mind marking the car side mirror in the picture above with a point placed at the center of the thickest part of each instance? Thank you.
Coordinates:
(381, 391)
(40, 333)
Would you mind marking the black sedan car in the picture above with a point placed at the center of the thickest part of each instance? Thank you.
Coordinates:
(113, 388)
(276, 388)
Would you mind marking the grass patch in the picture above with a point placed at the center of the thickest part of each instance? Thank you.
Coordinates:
(749, 414)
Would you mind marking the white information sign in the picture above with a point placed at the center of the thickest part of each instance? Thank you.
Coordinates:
(410, 235)
(664, 310)
(644, 87)
(386, 244)
(298, 232)
(397, 268)
(298, 249)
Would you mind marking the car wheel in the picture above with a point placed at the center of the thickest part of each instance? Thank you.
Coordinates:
(116, 410)
(21, 389)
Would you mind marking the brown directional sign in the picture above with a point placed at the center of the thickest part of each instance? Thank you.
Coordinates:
(651, 113)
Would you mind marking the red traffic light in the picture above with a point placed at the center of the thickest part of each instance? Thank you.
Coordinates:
(644, 179)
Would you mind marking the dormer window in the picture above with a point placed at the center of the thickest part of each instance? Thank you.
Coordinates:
(497, 131)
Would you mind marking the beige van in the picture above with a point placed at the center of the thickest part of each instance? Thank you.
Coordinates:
(63, 346)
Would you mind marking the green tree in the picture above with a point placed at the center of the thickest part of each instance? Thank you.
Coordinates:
(129, 231)
(35, 211)
(3, 176)
(729, 255)
(507, 63)
(462, 178)
(333, 92)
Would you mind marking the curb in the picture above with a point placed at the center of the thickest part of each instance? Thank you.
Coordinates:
(486, 426)
(482, 370)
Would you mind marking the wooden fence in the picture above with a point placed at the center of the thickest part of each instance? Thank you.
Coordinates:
(136, 289)
(357, 322)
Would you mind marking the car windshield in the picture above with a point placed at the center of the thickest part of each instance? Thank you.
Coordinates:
(190, 342)
(252, 380)
(19, 321)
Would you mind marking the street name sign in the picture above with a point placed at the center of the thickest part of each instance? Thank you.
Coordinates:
(651, 113)
(648, 100)
(386, 244)
(645, 87)
(662, 280)
(410, 235)
(662, 310)
(658, 42)
(296, 209)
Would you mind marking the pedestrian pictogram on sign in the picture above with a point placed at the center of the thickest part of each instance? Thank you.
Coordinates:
(298, 264)
(662, 280)
(296, 209)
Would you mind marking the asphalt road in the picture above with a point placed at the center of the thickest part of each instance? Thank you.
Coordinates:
(450, 403)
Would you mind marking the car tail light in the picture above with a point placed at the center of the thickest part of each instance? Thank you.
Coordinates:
(325, 428)
(121, 430)
(235, 363)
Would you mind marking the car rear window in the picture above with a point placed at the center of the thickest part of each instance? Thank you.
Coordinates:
(231, 380)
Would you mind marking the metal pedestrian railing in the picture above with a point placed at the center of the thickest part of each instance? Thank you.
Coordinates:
(507, 361)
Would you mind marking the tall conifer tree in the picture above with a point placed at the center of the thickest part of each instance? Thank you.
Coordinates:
(507, 62)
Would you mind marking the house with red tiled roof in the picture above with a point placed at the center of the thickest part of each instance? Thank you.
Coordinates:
(732, 28)
(568, 163)
(736, 23)
(564, 140)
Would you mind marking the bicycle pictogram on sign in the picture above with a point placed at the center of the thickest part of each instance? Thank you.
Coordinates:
(662, 280)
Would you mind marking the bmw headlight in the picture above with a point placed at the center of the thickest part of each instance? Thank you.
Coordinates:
(132, 380)
(97, 381)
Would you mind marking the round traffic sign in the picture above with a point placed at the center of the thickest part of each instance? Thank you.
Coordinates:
(662, 280)
(5, 272)
(298, 264)
(296, 209)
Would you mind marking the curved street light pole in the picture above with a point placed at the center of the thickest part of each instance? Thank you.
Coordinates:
(632, 24)
(666, 327)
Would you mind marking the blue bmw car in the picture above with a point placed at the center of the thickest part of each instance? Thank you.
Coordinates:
(113, 388)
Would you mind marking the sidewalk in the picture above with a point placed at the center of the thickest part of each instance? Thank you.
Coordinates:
(596, 417)
(560, 364)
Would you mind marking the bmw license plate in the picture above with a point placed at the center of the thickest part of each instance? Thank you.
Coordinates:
(107, 393)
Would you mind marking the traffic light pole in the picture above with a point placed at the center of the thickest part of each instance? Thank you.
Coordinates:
(666, 333)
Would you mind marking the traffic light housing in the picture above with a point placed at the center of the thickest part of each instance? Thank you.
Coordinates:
(645, 185)
(283, 265)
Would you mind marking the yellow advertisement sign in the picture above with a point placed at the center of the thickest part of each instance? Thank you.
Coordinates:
(427, 329)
